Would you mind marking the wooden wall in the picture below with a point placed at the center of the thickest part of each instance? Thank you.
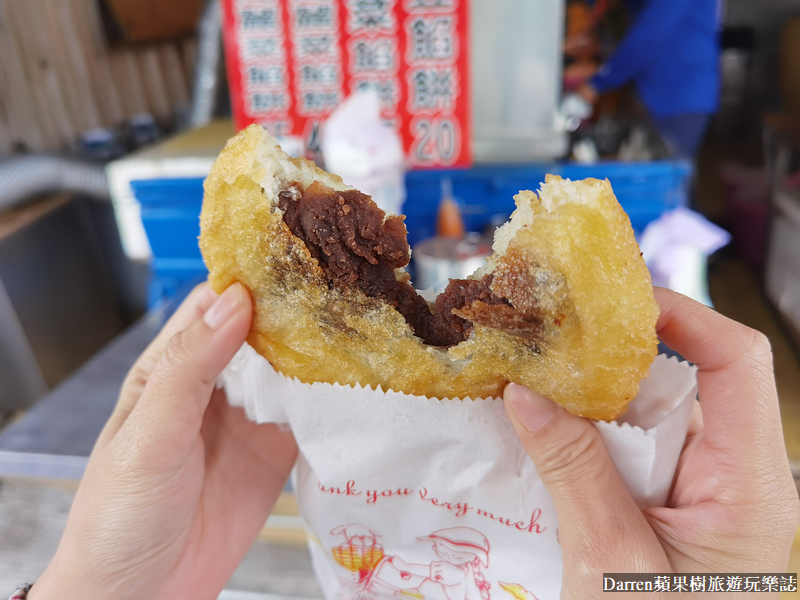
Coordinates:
(59, 78)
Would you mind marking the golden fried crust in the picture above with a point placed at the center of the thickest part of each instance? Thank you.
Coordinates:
(570, 257)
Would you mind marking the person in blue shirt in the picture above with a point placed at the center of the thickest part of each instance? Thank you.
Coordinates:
(671, 54)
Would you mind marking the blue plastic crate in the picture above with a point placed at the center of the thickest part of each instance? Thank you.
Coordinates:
(171, 215)
(173, 278)
(645, 191)
(172, 193)
(171, 207)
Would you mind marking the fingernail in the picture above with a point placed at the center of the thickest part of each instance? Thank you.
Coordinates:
(225, 307)
(532, 410)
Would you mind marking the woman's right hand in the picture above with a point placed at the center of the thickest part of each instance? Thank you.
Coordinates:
(734, 506)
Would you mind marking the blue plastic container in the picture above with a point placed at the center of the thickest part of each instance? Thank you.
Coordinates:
(173, 278)
(171, 216)
(171, 207)
(645, 191)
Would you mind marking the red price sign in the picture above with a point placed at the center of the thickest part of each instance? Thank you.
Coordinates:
(291, 62)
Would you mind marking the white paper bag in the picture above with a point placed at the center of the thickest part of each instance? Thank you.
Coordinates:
(413, 497)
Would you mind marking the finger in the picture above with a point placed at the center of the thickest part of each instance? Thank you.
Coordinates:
(693, 437)
(695, 422)
(595, 511)
(196, 304)
(169, 415)
(192, 309)
(736, 384)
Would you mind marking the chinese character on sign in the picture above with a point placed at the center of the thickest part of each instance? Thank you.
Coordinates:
(432, 38)
(265, 76)
(373, 55)
(432, 89)
(715, 583)
(316, 45)
(662, 584)
(371, 14)
(412, 5)
(263, 47)
(698, 583)
(262, 19)
(318, 102)
(387, 90)
(751, 584)
(679, 584)
(262, 103)
(319, 74)
(320, 16)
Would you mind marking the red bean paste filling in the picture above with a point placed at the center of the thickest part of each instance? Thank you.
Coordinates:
(355, 247)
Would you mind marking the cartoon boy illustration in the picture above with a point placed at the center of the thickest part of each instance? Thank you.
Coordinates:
(457, 576)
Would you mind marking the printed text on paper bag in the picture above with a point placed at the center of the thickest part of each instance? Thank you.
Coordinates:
(458, 509)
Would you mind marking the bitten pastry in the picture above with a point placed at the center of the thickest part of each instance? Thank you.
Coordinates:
(564, 306)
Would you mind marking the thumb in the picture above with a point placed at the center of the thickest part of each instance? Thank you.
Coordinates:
(174, 401)
(593, 506)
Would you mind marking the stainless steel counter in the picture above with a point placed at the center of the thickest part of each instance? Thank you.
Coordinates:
(54, 439)
(64, 291)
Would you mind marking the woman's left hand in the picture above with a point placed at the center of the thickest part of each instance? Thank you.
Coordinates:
(179, 483)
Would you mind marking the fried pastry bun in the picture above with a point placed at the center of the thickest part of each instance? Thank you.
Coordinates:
(564, 305)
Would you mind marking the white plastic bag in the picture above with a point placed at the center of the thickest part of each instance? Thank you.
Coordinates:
(365, 152)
